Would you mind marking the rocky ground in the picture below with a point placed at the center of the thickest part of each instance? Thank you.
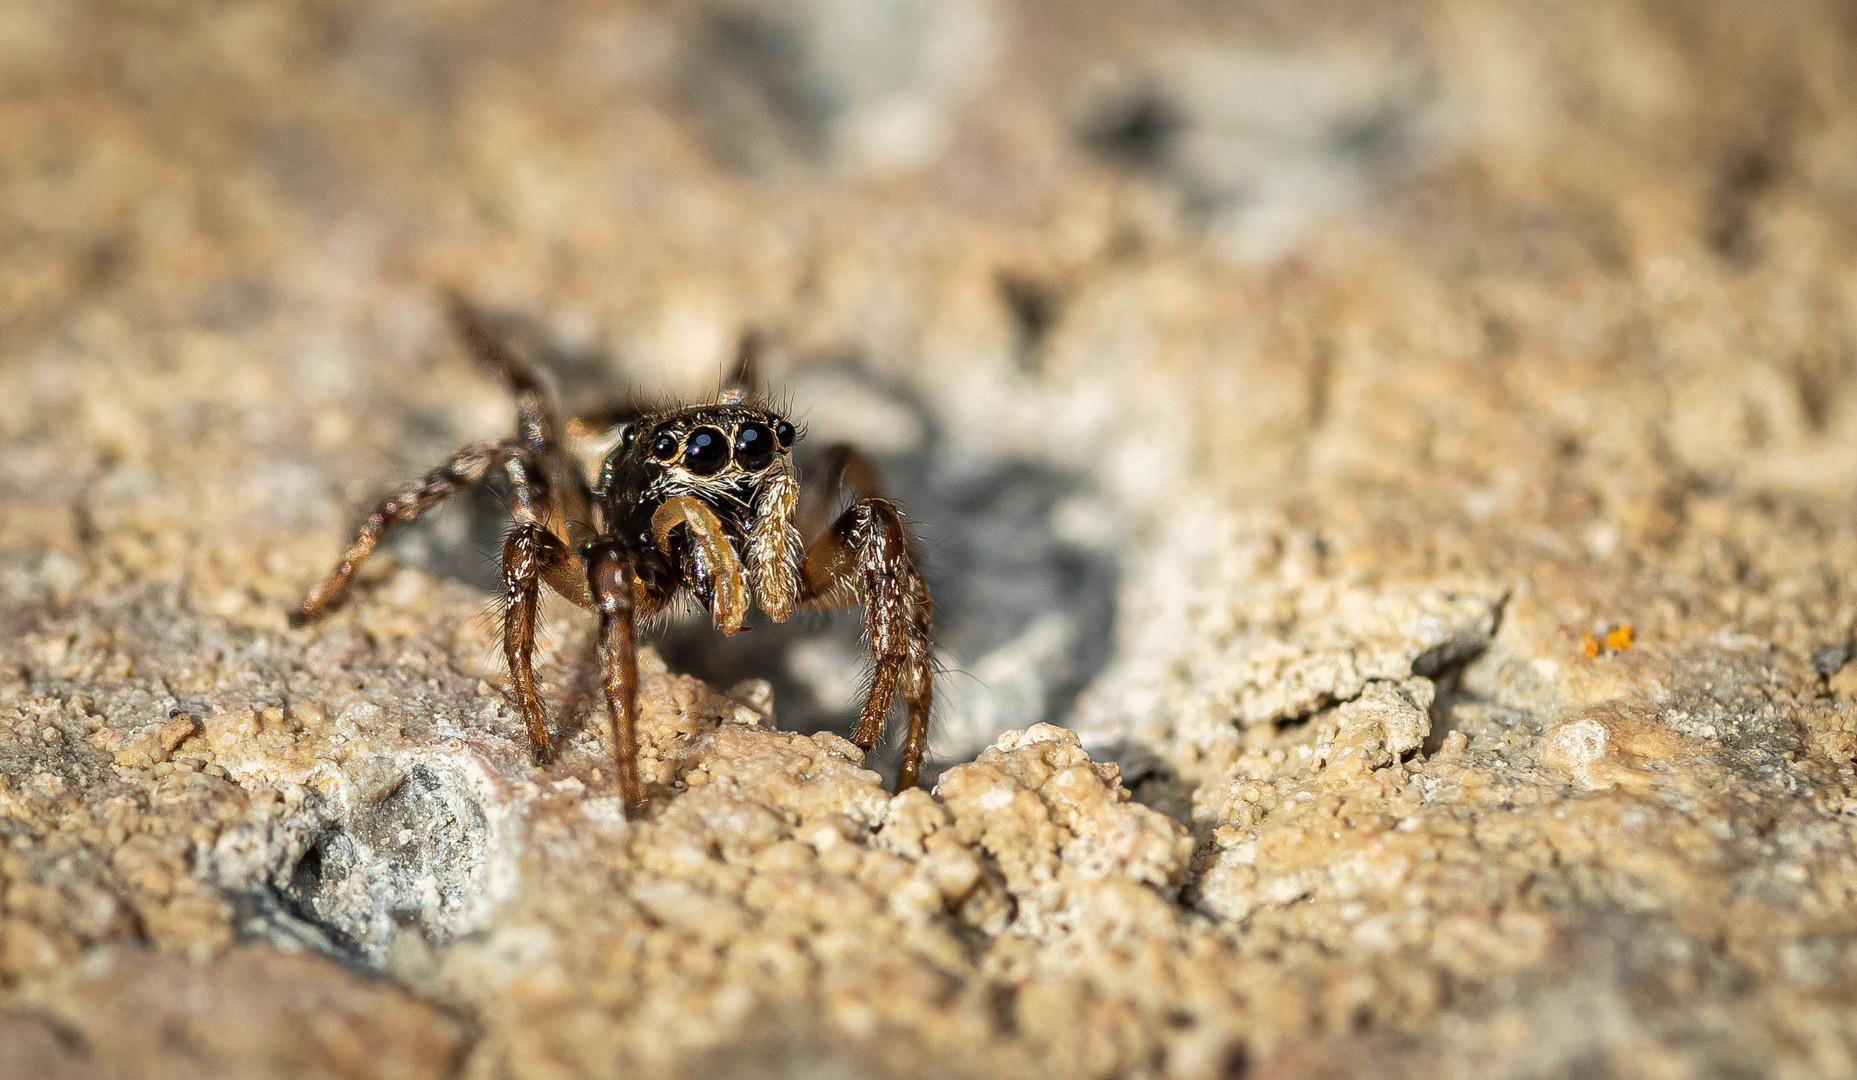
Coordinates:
(1389, 472)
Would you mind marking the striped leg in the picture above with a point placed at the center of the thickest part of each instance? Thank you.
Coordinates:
(532, 554)
(538, 428)
(465, 468)
(864, 557)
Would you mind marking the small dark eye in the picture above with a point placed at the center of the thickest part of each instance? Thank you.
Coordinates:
(784, 432)
(754, 446)
(665, 447)
(627, 436)
(706, 451)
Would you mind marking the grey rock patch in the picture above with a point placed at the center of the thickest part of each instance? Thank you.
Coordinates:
(348, 873)
(1257, 146)
(866, 86)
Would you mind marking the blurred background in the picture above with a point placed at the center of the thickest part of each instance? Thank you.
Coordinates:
(1229, 356)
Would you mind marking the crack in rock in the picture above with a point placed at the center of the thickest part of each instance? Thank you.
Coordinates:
(1275, 653)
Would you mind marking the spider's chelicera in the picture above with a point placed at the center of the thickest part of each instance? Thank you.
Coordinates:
(703, 500)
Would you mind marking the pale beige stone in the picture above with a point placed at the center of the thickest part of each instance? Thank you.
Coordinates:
(1422, 344)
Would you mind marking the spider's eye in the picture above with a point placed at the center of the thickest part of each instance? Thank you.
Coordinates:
(754, 446)
(784, 432)
(706, 451)
(664, 447)
(627, 436)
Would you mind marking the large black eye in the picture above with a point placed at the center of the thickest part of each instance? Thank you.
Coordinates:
(664, 447)
(706, 451)
(754, 446)
(784, 432)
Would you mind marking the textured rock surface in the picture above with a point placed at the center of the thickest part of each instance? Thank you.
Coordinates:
(1335, 375)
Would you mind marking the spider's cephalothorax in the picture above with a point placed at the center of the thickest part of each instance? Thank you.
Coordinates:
(703, 500)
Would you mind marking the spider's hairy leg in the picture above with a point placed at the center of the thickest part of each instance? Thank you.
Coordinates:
(864, 557)
(532, 554)
(465, 468)
(614, 581)
(537, 425)
(714, 570)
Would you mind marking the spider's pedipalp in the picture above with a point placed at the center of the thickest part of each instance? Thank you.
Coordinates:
(715, 573)
(774, 542)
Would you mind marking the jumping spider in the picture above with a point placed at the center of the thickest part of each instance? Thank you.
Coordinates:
(703, 499)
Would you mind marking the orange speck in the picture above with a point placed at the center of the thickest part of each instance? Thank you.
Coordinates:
(1589, 645)
(1618, 639)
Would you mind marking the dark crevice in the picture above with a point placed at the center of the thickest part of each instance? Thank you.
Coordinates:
(276, 916)
(1744, 176)
(1829, 659)
(1446, 658)
(1446, 672)
(1138, 127)
(1448, 694)
(1035, 307)
(1002, 1000)
(1818, 381)
(1442, 663)
(1149, 779)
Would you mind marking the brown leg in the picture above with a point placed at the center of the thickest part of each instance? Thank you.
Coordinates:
(918, 682)
(713, 564)
(532, 555)
(536, 526)
(537, 427)
(465, 468)
(612, 581)
(864, 556)
(522, 581)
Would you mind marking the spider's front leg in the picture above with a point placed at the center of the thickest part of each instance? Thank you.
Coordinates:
(537, 426)
(626, 586)
(466, 467)
(532, 554)
(864, 557)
